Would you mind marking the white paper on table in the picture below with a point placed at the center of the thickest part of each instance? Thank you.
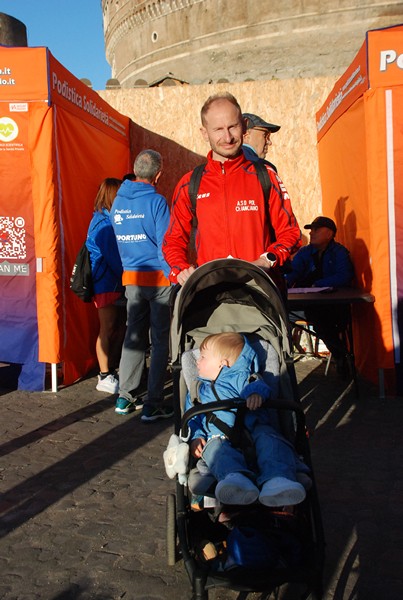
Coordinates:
(309, 290)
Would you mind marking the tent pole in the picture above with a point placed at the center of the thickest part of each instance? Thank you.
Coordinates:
(381, 379)
(54, 376)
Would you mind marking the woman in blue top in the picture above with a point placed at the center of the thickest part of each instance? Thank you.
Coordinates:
(106, 269)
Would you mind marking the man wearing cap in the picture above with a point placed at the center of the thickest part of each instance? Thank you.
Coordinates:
(233, 216)
(323, 263)
(256, 139)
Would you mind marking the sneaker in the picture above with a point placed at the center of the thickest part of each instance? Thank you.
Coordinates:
(108, 384)
(235, 488)
(124, 406)
(152, 412)
(280, 491)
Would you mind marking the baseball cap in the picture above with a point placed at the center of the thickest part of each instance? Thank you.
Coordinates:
(322, 222)
(255, 121)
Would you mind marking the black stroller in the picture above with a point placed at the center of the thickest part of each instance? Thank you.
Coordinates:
(233, 295)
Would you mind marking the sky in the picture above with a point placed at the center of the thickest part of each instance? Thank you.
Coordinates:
(71, 29)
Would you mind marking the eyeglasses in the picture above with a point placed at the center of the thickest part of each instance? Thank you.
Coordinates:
(266, 132)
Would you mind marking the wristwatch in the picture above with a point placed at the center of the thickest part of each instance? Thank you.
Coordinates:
(270, 257)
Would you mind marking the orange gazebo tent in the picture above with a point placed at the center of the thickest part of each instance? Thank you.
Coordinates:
(360, 146)
(58, 141)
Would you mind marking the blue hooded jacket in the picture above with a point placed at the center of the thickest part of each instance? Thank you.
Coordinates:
(140, 218)
(232, 382)
(106, 265)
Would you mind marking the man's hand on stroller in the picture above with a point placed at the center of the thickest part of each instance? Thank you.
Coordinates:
(254, 401)
(196, 447)
(185, 274)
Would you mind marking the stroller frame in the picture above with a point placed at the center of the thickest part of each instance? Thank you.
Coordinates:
(216, 289)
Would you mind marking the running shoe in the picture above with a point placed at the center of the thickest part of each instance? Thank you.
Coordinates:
(124, 406)
(153, 413)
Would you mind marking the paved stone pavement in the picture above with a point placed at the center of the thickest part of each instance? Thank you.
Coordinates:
(83, 495)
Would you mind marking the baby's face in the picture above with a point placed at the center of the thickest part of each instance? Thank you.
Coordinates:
(209, 364)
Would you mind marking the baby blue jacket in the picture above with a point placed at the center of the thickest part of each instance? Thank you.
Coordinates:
(232, 382)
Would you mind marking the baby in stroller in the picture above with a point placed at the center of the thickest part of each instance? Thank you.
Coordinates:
(226, 366)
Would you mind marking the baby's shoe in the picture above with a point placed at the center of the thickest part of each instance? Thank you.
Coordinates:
(280, 491)
(304, 480)
(235, 488)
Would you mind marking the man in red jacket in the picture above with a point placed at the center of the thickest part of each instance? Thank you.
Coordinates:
(232, 218)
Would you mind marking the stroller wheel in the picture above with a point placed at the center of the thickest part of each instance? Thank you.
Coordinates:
(171, 529)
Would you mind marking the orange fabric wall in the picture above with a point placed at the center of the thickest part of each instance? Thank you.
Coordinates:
(91, 142)
(361, 167)
(84, 159)
(384, 125)
(378, 206)
(47, 239)
(344, 175)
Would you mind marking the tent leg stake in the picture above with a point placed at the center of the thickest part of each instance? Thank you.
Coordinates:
(53, 367)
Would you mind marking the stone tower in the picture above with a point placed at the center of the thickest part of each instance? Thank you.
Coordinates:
(202, 41)
(12, 31)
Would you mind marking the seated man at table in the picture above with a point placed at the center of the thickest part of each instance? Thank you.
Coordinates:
(323, 263)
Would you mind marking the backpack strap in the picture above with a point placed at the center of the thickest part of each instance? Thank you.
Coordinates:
(194, 184)
(234, 433)
(265, 182)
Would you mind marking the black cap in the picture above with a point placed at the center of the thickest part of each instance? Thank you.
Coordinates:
(322, 222)
(255, 121)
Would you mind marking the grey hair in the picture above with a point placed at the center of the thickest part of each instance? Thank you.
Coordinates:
(147, 164)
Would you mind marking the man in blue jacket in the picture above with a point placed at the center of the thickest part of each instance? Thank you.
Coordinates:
(257, 138)
(140, 217)
(324, 263)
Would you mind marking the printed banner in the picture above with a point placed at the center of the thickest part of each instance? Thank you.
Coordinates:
(23, 75)
(73, 95)
(345, 92)
(18, 317)
(385, 56)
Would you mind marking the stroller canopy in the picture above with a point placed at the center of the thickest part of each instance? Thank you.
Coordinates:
(229, 295)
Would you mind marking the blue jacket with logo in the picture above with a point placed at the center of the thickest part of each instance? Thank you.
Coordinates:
(337, 268)
(106, 265)
(232, 382)
(140, 218)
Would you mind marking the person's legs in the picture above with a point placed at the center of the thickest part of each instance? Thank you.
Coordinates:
(135, 342)
(118, 336)
(222, 458)
(107, 381)
(228, 466)
(328, 323)
(276, 462)
(159, 324)
(274, 455)
(106, 316)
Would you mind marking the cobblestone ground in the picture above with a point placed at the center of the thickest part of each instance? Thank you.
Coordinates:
(83, 495)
